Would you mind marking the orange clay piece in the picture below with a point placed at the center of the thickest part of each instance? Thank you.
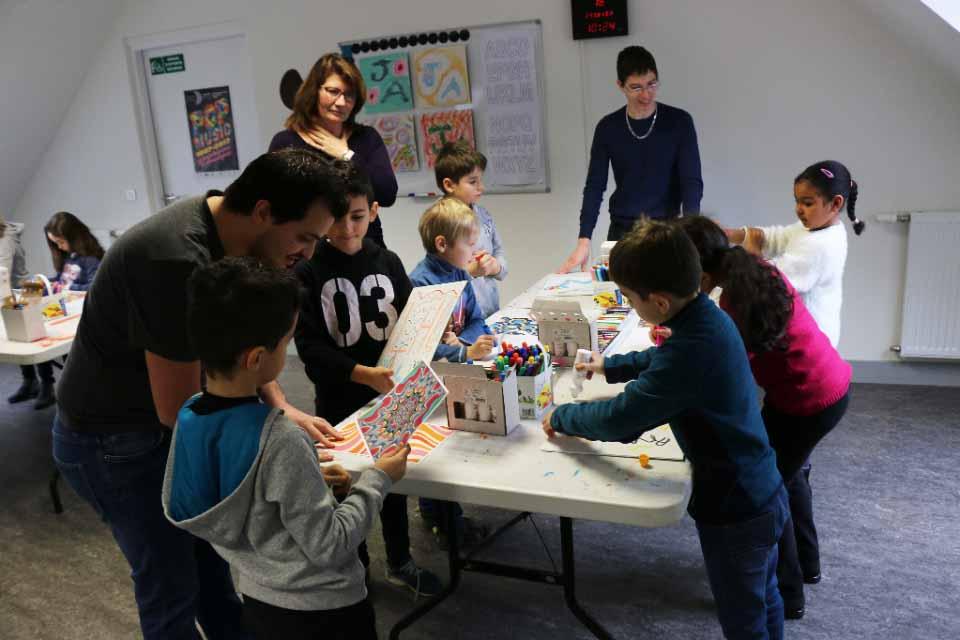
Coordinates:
(644, 460)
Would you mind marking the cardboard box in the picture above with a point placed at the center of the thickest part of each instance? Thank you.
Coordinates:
(536, 394)
(476, 403)
(564, 327)
(24, 323)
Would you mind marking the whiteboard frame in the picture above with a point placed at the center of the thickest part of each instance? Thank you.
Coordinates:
(543, 187)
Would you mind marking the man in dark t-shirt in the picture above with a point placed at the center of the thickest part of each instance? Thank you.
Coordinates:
(132, 367)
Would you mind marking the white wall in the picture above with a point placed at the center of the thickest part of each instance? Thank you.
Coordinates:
(46, 47)
(773, 86)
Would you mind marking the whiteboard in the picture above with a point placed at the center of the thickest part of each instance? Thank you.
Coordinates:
(505, 102)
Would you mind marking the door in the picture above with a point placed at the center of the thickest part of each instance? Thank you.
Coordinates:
(201, 102)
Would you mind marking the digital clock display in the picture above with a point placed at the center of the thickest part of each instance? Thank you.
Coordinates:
(599, 18)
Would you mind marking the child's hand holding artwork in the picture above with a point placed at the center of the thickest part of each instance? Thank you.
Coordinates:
(380, 379)
(394, 464)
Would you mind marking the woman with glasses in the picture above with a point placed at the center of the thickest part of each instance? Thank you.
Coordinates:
(324, 118)
(653, 150)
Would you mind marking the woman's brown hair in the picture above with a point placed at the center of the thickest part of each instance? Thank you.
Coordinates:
(305, 112)
(69, 227)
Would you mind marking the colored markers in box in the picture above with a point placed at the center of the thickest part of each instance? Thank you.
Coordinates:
(528, 360)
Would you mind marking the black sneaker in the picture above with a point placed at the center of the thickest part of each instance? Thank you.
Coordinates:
(46, 397)
(28, 389)
(470, 534)
(421, 581)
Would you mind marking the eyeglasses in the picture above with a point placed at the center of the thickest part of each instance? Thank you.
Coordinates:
(637, 88)
(335, 94)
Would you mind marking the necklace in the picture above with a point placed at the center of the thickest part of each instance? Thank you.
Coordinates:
(626, 117)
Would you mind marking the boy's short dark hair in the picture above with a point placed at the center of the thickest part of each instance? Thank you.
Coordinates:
(656, 256)
(236, 304)
(356, 182)
(635, 60)
(291, 180)
(457, 159)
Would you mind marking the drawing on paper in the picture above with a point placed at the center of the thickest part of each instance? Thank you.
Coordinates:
(399, 134)
(394, 418)
(421, 325)
(657, 444)
(387, 77)
(440, 127)
(568, 284)
(425, 439)
(440, 77)
(352, 442)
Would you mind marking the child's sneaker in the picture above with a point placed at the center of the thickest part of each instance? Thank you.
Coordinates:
(470, 534)
(420, 581)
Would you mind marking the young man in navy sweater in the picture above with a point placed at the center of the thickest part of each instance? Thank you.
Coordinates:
(652, 148)
(700, 382)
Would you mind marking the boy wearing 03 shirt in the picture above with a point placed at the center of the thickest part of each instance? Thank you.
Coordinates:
(355, 291)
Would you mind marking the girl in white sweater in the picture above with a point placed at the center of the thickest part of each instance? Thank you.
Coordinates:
(812, 252)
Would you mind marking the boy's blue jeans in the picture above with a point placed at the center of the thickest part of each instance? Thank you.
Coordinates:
(741, 562)
(179, 580)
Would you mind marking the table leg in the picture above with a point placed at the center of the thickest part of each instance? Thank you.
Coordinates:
(569, 582)
(453, 558)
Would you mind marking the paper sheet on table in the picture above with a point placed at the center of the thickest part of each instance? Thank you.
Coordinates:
(578, 283)
(658, 444)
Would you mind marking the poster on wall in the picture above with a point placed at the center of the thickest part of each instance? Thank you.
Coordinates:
(387, 77)
(399, 135)
(212, 133)
(440, 127)
(440, 77)
(512, 130)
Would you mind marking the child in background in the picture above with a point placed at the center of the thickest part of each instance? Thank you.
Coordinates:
(812, 252)
(355, 292)
(700, 382)
(459, 171)
(448, 230)
(243, 477)
(13, 260)
(806, 381)
(75, 251)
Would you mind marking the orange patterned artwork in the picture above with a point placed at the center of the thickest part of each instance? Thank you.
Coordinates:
(439, 127)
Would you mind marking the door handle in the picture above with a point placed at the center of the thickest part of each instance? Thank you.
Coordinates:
(170, 197)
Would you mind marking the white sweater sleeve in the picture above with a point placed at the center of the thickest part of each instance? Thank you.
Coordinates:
(776, 239)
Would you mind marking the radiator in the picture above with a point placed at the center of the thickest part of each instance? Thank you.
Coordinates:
(931, 297)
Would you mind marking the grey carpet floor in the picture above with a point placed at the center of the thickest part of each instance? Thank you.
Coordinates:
(887, 495)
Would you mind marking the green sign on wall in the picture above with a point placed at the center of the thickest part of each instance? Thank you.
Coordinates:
(167, 64)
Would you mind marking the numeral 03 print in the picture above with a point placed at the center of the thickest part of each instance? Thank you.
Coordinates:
(346, 331)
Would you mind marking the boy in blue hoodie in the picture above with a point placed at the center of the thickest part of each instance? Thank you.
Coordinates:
(449, 232)
(243, 477)
(700, 382)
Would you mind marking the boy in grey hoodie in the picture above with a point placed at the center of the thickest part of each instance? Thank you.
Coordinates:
(246, 479)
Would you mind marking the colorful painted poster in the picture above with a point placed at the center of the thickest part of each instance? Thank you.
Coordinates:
(440, 127)
(399, 134)
(393, 419)
(212, 134)
(352, 442)
(421, 325)
(387, 77)
(425, 439)
(440, 77)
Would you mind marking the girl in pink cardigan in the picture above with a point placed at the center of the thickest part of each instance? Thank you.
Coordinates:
(806, 383)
